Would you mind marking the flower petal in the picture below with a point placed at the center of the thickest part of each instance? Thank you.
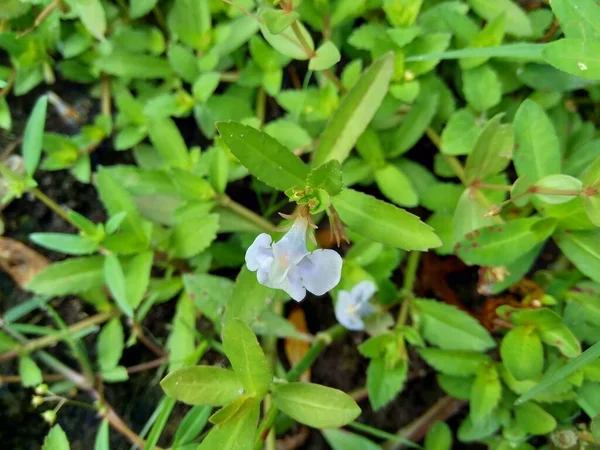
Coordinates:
(259, 252)
(293, 285)
(346, 314)
(363, 291)
(321, 271)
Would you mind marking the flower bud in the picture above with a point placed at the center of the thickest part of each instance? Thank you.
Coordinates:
(36, 401)
(49, 416)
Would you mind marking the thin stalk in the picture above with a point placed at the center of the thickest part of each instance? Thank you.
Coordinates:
(52, 205)
(410, 275)
(494, 187)
(46, 341)
(226, 202)
(322, 340)
(298, 33)
(381, 434)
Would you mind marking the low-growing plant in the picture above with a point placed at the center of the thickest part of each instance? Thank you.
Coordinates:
(250, 155)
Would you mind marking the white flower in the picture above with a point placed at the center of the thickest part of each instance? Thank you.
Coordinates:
(352, 306)
(288, 265)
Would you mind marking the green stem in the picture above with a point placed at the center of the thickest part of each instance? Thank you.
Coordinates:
(36, 344)
(381, 434)
(52, 205)
(412, 265)
(226, 202)
(296, 29)
(322, 340)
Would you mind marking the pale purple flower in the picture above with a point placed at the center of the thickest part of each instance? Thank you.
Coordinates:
(352, 306)
(289, 266)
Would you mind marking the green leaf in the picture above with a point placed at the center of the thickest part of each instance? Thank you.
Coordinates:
(117, 200)
(166, 138)
(384, 383)
(139, 8)
(485, 394)
(263, 156)
(500, 245)
(56, 439)
(111, 341)
(137, 277)
(344, 440)
(453, 362)
(482, 87)
(92, 16)
(314, 405)
(460, 134)
(230, 410)
(288, 44)
(134, 65)
(559, 182)
(537, 153)
(574, 56)
(396, 186)
(415, 123)
(452, 329)
(517, 21)
(492, 151)
(161, 413)
(595, 428)
(182, 340)
(115, 280)
(102, 441)
(394, 227)
(522, 353)
(327, 176)
(249, 298)
(246, 358)
(72, 276)
(577, 18)
(70, 244)
(277, 20)
(491, 35)
(192, 425)
(533, 419)
(355, 112)
(439, 437)
(237, 433)
(33, 135)
(202, 385)
(193, 236)
(326, 56)
(191, 21)
(469, 215)
(30, 373)
(431, 43)
(582, 248)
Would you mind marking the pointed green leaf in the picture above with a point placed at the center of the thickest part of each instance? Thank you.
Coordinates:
(202, 385)
(492, 151)
(115, 280)
(238, 433)
(56, 439)
(450, 328)
(522, 353)
(111, 341)
(315, 405)
(538, 149)
(72, 276)
(247, 358)
(485, 394)
(575, 56)
(263, 156)
(385, 383)
(355, 112)
(394, 227)
(499, 245)
(326, 56)
(33, 135)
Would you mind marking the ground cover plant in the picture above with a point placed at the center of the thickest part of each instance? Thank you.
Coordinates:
(243, 224)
